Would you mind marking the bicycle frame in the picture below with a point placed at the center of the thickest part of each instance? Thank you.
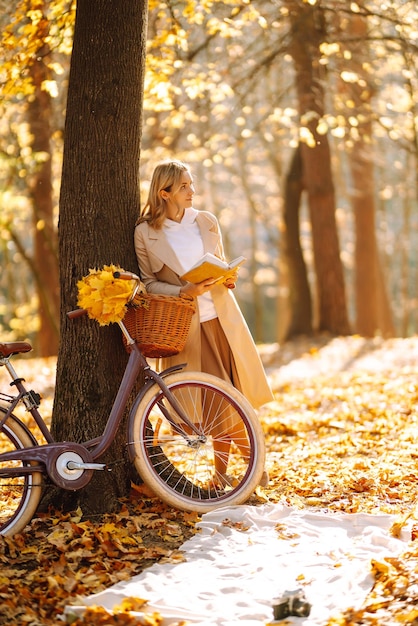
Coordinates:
(89, 451)
(183, 432)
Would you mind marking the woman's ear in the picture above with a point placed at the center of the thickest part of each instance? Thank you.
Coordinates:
(163, 194)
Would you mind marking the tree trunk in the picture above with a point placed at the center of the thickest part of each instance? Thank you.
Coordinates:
(256, 291)
(45, 260)
(299, 293)
(308, 32)
(373, 314)
(99, 204)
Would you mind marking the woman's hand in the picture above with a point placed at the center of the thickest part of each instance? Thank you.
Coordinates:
(231, 280)
(194, 290)
(198, 289)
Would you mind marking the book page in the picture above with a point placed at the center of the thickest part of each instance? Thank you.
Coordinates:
(208, 268)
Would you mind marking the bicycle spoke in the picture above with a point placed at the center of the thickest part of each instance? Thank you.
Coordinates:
(19, 495)
(201, 471)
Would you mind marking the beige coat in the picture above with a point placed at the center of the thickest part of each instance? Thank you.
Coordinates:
(160, 272)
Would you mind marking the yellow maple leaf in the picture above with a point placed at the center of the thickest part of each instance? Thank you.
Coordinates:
(103, 296)
(129, 604)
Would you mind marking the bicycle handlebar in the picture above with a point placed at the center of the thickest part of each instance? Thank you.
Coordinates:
(126, 276)
(76, 313)
(129, 276)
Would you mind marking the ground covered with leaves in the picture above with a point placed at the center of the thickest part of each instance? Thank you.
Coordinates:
(341, 437)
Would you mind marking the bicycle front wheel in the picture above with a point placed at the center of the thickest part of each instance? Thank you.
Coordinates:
(217, 462)
(19, 494)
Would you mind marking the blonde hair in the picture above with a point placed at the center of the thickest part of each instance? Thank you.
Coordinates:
(166, 176)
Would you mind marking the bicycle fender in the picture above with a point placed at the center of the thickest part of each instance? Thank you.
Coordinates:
(173, 368)
(3, 409)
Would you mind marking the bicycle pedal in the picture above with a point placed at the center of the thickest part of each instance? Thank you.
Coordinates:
(75, 465)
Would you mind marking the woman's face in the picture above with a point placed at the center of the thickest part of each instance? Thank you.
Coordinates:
(181, 198)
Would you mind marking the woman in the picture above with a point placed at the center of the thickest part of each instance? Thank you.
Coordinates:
(170, 237)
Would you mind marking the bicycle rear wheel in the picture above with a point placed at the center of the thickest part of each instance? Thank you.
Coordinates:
(220, 465)
(19, 495)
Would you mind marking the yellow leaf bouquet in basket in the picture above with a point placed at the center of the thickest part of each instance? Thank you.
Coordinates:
(103, 296)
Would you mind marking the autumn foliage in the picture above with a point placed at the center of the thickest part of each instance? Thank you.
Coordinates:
(341, 437)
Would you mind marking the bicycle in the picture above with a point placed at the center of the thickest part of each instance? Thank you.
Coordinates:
(180, 427)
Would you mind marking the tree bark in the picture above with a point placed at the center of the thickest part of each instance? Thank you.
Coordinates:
(300, 301)
(99, 204)
(40, 185)
(373, 312)
(307, 33)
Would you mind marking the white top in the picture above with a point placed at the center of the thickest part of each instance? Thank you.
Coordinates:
(185, 239)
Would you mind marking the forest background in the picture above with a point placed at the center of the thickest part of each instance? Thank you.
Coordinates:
(299, 120)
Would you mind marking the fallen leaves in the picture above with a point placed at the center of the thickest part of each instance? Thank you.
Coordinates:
(60, 558)
(122, 616)
(338, 440)
(345, 442)
(242, 527)
(392, 599)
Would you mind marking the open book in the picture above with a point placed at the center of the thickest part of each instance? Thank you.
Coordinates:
(210, 266)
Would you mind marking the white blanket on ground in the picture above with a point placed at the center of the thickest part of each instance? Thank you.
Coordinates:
(246, 556)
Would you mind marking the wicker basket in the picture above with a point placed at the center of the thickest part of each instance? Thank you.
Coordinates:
(159, 324)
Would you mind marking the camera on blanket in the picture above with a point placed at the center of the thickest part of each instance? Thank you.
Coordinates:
(291, 603)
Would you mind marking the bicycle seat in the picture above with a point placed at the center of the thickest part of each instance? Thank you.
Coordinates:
(14, 347)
